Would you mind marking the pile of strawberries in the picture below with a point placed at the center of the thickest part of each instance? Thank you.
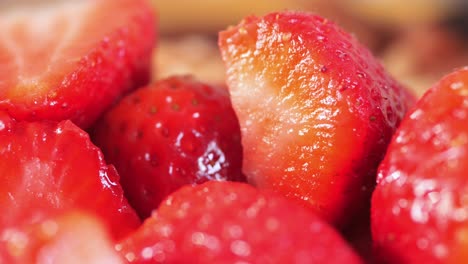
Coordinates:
(312, 153)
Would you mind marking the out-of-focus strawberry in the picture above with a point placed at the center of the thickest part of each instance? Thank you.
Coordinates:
(174, 132)
(316, 109)
(46, 168)
(420, 204)
(229, 222)
(71, 59)
(72, 238)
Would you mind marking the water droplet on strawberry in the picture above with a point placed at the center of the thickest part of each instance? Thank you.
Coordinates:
(152, 159)
(212, 161)
(240, 248)
(321, 38)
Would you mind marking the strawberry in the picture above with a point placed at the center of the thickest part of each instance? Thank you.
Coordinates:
(72, 237)
(71, 59)
(316, 109)
(229, 222)
(174, 132)
(419, 207)
(46, 168)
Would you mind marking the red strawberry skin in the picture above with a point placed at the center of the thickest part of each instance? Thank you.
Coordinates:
(229, 222)
(90, 52)
(71, 237)
(316, 109)
(47, 168)
(419, 208)
(174, 132)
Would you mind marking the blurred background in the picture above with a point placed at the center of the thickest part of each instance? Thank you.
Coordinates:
(418, 41)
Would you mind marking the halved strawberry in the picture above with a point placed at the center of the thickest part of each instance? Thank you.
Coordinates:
(229, 222)
(72, 237)
(49, 167)
(71, 59)
(174, 132)
(316, 109)
(420, 204)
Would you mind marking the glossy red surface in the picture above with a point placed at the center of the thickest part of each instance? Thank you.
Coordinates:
(316, 109)
(419, 208)
(174, 132)
(73, 59)
(228, 222)
(49, 168)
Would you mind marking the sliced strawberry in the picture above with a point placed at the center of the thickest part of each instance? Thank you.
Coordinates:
(316, 109)
(228, 222)
(73, 237)
(420, 205)
(71, 59)
(174, 132)
(50, 167)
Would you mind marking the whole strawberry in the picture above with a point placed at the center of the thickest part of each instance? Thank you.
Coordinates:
(47, 168)
(316, 109)
(229, 222)
(72, 59)
(420, 205)
(174, 132)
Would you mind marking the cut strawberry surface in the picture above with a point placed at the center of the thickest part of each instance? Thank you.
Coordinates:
(72, 237)
(71, 59)
(420, 206)
(316, 109)
(50, 167)
(229, 222)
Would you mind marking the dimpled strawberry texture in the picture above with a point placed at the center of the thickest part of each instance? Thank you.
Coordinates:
(316, 109)
(72, 59)
(229, 222)
(419, 207)
(173, 132)
(47, 168)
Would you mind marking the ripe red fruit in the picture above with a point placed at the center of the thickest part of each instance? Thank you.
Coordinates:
(174, 132)
(419, 207)
(46, 168)
(316, 109)
(71, 59)
(228, 222)
(72, 237)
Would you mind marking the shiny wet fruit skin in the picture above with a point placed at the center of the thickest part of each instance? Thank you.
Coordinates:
(174, 132)
(48, 167)
(73, 59)
(229, 222)
(316, 109)
(419, 207)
